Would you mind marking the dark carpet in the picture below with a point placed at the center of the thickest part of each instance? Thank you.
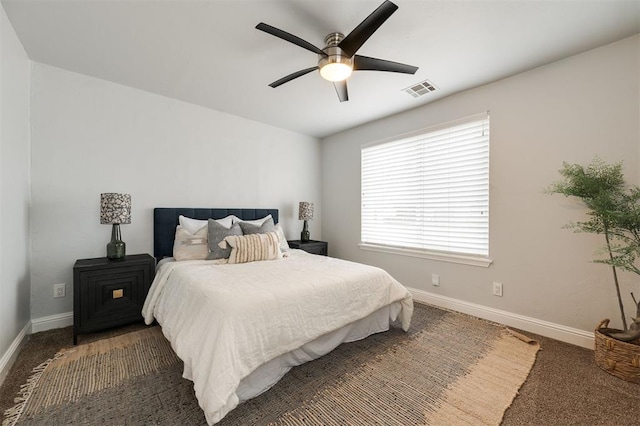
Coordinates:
(564, 387)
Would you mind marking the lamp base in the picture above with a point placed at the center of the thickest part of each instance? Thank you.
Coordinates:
(116, 248)
(305, 235)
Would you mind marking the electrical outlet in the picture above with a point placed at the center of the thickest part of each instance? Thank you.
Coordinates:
(435, 279)
(59, 290)
(497, 289)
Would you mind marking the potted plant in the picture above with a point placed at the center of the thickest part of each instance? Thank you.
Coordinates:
(614, 212)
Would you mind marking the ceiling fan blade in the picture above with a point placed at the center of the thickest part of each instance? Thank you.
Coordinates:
(289, 37)
(292, 76)
(365, 63)
(356, 38)
(341, 90)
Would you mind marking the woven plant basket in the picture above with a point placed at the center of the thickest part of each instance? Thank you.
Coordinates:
(622, 359)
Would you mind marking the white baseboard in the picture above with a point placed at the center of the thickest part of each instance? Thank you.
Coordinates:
(11, 354)
(51, 322)
(533, 325)
(33, 326)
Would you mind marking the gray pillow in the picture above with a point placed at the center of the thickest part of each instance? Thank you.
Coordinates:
(217, 233)
(250, 228)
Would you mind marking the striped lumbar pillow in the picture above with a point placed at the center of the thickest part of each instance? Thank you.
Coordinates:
(252, 247)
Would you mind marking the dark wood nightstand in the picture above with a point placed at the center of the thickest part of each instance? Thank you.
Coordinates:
(109, 293)
(311, 246)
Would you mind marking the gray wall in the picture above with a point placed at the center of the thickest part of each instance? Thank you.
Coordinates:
(91, 136)
(14, 190)
(570, 110)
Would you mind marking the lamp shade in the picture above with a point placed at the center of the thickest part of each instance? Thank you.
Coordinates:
(305, 211)
(115, 208)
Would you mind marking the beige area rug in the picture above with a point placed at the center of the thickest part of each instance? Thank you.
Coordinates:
(449, 369)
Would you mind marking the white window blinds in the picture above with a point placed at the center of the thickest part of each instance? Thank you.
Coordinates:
(429, 191)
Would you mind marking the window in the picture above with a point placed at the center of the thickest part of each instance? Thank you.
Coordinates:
(427, 194)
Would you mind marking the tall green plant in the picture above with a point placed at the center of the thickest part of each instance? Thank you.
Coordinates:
(613, 211)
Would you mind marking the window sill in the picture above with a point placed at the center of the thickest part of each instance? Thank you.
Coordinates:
(471, 260)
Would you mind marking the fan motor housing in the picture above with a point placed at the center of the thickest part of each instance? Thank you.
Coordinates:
(335, 55)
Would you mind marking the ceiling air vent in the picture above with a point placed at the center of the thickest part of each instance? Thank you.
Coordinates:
(420, 89)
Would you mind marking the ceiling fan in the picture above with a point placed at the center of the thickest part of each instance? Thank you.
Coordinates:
(338, 59)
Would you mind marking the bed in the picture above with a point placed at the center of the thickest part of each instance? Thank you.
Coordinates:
(239, 328)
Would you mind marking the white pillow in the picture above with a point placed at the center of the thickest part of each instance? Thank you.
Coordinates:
(284, 245)
(188, 246)
(256, 222)
(194, 225)
(252, 247)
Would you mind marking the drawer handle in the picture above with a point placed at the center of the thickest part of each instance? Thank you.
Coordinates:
(117, 294)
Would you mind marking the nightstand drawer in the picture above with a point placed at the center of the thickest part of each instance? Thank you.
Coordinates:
(311, 246)
(105, 295)
(110, 293)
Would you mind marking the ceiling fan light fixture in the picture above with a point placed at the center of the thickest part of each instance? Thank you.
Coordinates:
(336, 71)
(335, 65)
(338, 59)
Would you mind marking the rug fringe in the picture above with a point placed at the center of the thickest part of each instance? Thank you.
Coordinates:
(12, 415)
(521, 336)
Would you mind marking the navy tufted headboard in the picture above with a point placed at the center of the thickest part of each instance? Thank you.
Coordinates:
(165, 221)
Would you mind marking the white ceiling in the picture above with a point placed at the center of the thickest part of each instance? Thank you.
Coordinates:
(208, 52)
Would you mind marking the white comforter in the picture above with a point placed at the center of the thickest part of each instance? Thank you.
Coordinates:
(224, 321)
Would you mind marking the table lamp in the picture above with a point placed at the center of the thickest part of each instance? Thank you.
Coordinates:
(305, 212)
(114, 210)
